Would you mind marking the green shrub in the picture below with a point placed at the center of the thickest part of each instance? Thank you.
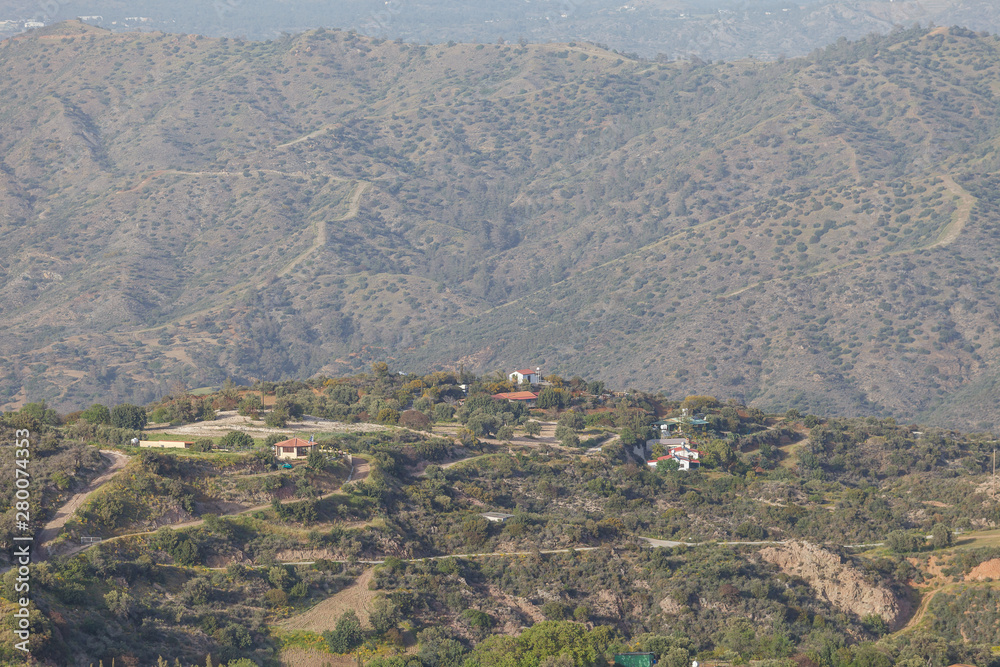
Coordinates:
(347, 635)
(236, 440)
(128, 416)
(96, 414)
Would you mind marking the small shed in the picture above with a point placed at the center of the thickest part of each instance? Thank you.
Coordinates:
(295, 448)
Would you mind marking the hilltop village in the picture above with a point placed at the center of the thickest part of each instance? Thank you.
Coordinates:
(464, 518)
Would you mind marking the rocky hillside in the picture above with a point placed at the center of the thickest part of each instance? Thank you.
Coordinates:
(842, 584)
(816, 233)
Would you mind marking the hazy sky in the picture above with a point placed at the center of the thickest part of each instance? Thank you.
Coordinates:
(710, 29)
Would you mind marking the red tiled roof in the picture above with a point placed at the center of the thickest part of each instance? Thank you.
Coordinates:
(517, 395)
(295, 442)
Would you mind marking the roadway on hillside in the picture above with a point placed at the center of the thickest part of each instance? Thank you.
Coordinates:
(353, 206)
(948, 235)
(52, 528)
(359, 471)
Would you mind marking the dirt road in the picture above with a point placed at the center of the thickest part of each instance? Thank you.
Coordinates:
(52, 528)
(359, 470)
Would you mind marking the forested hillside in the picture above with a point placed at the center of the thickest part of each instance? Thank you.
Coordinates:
(432, 525)
(817, 233)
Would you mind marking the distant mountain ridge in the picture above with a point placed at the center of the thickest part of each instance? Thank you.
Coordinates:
(817, 233)
(707, 29)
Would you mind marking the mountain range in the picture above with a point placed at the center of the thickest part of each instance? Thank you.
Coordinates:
(817, 232)
(666, 29)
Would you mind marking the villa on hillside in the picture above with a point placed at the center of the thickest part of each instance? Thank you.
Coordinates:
(296, 448)
(687, 458)
(526, 397)
(526, 375)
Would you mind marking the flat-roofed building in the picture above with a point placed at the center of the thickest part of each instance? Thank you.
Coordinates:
(166, 444)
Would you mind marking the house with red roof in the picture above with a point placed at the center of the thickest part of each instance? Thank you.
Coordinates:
(296, 448)
(687, 458)
(526, 375)
(526, 397)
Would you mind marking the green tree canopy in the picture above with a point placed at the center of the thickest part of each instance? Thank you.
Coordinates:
(551, 398)
(347, 635)
(96, 414)
(129, 416)
(236, 440)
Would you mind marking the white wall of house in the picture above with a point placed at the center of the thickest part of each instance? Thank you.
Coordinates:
(164, 444)
(518, 378)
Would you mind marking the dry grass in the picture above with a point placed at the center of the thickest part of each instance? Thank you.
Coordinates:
(324, 616)
(230, 421)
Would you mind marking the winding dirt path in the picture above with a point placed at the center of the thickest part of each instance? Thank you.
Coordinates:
(962, 214)
(236, 174)
(925, 601)
(353, 206)
(359, 470)
(449, 464)
(949, 234)
(62, 515)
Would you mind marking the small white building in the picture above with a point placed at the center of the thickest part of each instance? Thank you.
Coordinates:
(166, 444)
(526, 375)
(687, 458)
(296, 448)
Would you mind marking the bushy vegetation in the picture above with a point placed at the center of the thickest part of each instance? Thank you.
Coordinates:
(794, 222)
(787, 476)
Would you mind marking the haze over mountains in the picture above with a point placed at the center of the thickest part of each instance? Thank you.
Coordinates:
(817, 233)
(708, 29)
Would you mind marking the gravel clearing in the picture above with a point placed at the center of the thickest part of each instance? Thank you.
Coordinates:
(230, 421)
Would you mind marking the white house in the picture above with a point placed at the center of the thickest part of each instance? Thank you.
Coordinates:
(687, 458)
(641, 450)
(526, 375)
